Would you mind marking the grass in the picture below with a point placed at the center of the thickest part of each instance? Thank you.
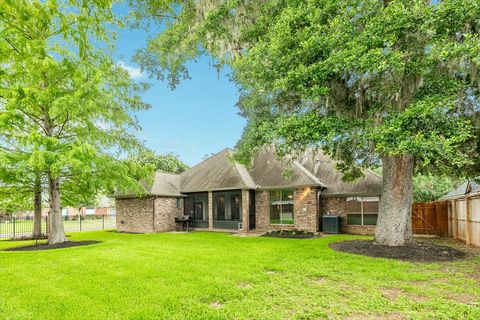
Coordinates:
(205, 275)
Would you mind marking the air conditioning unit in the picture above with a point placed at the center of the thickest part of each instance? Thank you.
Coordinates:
(331, 224)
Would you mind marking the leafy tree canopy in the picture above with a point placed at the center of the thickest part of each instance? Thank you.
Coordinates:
(67, 106)
(166, 163)
(368, 81)
(360, 79)
(67, 109)
(430, 188)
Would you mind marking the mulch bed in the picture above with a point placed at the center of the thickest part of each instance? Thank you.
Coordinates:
(68, 244)
(27, 238)
(416, 251)
(290, 235)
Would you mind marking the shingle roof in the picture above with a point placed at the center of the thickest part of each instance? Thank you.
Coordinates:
(219, 172)
(460, 191)
(324, 168)
(269, 172)
(165, 184)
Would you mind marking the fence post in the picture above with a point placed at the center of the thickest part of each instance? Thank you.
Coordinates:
(14, 223)
(468, 236)
(455, 220)
(103, 222)
(79, 220)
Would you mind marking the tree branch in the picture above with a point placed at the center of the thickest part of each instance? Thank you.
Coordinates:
(62, 127)
(12, 45)
(35, 119)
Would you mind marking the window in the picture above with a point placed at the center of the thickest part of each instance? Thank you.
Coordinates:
(179, 203)
(227, 205)
(188, 205)
(362, 211)
(220, 207)
(281, 207)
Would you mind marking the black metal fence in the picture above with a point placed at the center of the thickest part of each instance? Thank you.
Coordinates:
(12, 227)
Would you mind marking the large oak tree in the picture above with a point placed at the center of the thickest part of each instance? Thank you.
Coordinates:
(391, 83)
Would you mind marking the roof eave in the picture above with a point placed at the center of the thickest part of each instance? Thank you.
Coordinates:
(131, 196)
(351, 194)
(148, 195)
(315, 180)
(218, 189)
(263, 188)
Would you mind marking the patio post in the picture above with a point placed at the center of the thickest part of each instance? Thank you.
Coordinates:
(245, 210)
(210, 210)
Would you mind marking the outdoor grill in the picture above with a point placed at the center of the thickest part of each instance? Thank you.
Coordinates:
(184, 223)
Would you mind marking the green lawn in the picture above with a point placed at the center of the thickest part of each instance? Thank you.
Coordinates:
(206, 275)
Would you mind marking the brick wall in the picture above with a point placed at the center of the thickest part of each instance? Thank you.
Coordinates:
(337, 206)
(135, 215)
(262, 210)
(101, 211)
(305, 211)
(165, 213)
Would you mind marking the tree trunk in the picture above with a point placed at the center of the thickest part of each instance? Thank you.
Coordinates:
(57, 233)
(394, 227)
(37, 209)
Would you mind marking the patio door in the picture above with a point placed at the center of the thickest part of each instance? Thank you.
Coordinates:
(198, 211)
(196, 206)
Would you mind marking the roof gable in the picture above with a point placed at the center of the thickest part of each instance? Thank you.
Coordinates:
(216, 173)
(166, 184)
(269, 172)
(219, 172)
(324, 168)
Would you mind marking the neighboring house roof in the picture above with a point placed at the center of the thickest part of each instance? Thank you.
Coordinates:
(324, 168)
(462, 190)
(220, 172)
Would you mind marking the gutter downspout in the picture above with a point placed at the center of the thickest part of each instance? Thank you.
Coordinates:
(319, 195)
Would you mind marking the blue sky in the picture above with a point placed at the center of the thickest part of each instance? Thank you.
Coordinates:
(199, 117)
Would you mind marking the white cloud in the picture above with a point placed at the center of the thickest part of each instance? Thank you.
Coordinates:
(135, 73)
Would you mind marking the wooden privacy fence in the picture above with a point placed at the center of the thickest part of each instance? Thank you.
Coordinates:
(464, 218)
(430, 218)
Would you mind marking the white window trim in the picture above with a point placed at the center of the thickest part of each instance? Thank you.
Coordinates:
(362, 200)
(280, 203)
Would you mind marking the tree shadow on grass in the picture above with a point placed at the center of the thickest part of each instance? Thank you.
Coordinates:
(416, 251)
(40, 247)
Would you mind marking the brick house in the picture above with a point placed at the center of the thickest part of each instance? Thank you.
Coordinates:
(221, 194)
